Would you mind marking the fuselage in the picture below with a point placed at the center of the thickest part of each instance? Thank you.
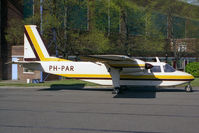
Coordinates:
(161, 74)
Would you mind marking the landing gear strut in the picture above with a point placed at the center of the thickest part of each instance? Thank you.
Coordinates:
(188, 88)
(116, 90)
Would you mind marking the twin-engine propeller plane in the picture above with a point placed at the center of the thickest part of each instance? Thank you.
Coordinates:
(116, 70)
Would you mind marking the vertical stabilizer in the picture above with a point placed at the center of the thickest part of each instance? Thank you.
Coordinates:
(34, 48)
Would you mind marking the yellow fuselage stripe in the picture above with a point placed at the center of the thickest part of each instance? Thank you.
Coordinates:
(157, 76)
(128, 76)
(127, 65)
(86, 75)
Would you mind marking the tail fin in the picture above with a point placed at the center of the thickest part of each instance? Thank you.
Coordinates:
(34, 48)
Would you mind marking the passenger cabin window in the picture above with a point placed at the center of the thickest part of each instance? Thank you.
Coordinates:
(168, 68)
(155, 69)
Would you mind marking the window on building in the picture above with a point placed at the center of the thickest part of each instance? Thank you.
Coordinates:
(182, 47)
(26, 70)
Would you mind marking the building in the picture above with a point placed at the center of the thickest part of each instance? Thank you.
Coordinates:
(19, 72)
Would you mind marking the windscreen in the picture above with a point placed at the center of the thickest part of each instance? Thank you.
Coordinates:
(168, 68)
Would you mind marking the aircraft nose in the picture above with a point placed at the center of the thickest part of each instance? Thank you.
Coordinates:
(191, 77)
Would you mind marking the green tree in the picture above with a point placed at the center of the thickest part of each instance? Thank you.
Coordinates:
(106, 26)
(173, 8)
(15, 32)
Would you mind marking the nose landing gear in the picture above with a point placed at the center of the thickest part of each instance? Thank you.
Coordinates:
(188, 88)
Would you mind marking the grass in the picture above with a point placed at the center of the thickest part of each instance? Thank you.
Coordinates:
(49, 83)
(195, 82)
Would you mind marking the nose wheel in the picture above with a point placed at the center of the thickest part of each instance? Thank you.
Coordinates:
(188, 88)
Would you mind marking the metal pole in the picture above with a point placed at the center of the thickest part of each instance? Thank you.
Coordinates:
(65, 28)
(33, 8)
(109, 18)
(41, 32)
(185, 29)
(41, 16)
(55, 41)
(88, 15)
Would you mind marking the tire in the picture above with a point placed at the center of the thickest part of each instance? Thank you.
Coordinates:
(188, 88)
(116, 90)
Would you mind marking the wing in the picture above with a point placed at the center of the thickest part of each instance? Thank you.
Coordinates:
(106, 58)
(116, 61)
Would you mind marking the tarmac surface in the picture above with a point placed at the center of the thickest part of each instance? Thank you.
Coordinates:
(75, 109)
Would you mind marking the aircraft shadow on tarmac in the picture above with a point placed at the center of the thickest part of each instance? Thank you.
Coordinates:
(138, 92)
(59, 87)
(132, 92)
(145, 92)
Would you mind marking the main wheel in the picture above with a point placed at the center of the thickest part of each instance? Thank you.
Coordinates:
(188, 88)
(116, 90)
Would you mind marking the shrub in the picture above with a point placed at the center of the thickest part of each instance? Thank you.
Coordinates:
(193, 69)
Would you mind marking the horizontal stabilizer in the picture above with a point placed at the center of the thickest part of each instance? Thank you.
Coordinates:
(23, 62)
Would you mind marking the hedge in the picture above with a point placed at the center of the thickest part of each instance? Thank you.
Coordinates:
(193, 69)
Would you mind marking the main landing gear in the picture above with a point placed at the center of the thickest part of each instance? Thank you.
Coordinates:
(188, 88)
(116, 90)
(120, 89)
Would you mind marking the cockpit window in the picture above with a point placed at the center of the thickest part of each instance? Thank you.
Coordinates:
(168, 68)
(155, 69)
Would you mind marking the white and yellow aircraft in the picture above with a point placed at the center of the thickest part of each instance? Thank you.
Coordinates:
(116, 70)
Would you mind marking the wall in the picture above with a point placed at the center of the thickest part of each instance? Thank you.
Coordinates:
(9, 10)
(3, 41)
(27, 75)
(0, 45)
